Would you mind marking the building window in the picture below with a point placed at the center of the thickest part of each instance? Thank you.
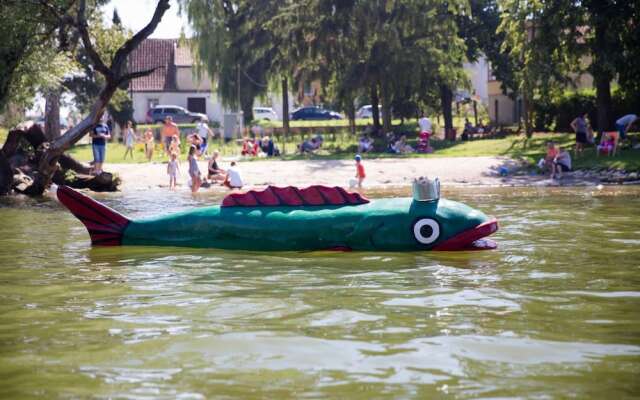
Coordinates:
(197, 104)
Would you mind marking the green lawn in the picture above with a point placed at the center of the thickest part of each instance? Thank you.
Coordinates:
(344, 146)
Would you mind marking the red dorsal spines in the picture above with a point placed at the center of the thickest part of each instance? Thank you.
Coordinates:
(290, 196)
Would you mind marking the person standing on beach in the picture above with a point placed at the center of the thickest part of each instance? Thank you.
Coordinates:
(360, 175)
(99, 137)
(173, 167)
(149, 144)
(169, 130)
(580, 127)
(129, 139)
(204, 132)
(194, 170)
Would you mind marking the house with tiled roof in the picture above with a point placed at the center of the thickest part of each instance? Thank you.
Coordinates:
(173, 81)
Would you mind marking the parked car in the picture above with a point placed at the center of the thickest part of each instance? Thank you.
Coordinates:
(178, 114)
(265, 113)
(367, 111)
(314, 113)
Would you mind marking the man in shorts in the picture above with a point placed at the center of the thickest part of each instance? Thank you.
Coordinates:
(169, 130)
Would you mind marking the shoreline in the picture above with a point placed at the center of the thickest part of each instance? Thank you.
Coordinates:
(381, 173)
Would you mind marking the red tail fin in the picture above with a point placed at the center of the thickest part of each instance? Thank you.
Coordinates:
(105, 225)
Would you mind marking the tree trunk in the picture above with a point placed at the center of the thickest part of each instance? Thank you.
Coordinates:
(446, 98)
(351, 114)
(52, 114)
(375, 110)
(603, 103)
(526, 114)
(386, 108)
(285, 112)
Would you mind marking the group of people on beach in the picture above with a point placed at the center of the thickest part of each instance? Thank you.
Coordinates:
(609, 140)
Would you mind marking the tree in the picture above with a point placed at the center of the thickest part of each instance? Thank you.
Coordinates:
(44, 163)
(538, 35)
(85, 84)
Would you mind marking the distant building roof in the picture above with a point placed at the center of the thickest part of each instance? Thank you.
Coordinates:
(154, 53)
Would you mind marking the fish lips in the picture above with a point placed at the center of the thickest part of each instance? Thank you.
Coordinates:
(471, 239)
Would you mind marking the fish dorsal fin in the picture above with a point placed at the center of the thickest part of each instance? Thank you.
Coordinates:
(290, 196)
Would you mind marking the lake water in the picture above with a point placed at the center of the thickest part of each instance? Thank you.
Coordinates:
(553, 313)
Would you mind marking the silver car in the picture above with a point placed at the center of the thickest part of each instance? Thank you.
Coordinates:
(264, 113)
(178, 114)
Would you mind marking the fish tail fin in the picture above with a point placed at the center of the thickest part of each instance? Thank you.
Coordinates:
(105, 226)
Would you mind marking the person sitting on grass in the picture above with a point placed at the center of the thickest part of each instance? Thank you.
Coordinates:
(607, 145)
(365, 144)
(249, 148)
(561, 163)
(552, 152)
(402, 147)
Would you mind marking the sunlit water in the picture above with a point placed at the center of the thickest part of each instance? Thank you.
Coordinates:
(554, 313)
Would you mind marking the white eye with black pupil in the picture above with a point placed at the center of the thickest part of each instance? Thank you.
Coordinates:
(426, 230)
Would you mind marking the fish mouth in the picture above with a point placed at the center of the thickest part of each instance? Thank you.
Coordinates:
(471, 239)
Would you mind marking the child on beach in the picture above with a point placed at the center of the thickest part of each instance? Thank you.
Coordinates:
(129, 139)
(149, 143)
(552, 153)
(174, 147)
(194, 171)
(173, 167)
(360, 175)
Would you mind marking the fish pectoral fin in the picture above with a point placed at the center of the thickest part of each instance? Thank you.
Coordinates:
(362, 235)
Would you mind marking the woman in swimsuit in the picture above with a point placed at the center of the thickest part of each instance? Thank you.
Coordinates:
(215, 173)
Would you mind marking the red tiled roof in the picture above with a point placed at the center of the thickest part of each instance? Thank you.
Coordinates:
(152, 53)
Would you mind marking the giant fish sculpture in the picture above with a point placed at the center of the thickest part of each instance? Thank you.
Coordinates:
(285, 219)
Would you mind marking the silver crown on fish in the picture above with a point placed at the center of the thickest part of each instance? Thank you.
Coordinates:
(425, 189)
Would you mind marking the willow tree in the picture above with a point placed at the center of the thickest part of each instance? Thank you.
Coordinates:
(233, 45)
(538, 35)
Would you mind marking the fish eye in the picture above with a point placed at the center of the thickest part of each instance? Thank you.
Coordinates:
(426, 230)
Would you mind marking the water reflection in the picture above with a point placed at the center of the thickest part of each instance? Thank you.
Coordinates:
(553, 313)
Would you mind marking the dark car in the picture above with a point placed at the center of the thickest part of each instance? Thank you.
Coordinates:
(178, 114)
(314, 113)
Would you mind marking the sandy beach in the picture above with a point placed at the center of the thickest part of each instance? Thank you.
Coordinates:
(381, 173)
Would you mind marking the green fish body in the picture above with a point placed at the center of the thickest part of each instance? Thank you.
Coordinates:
(395, 224)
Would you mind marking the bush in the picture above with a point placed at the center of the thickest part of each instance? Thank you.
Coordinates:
(558, 112)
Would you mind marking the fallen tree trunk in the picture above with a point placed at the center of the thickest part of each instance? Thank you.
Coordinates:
(21, 156)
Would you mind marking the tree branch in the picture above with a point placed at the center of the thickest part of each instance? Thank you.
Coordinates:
(83, 28)
(137, 74)
(120, 58)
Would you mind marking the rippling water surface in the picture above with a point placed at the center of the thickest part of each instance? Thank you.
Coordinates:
(555, 312)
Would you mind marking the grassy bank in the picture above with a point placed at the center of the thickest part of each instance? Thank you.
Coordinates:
(341, 146)
(344, 145)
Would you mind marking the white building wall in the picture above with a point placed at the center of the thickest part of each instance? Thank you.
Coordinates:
(478, 75)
